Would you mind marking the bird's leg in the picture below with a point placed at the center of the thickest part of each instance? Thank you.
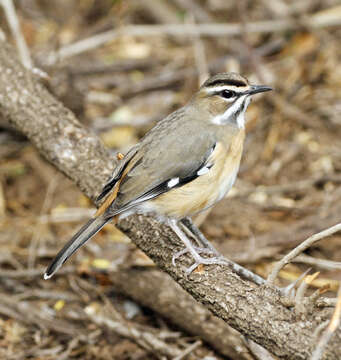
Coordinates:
(194, 251)
(204, 246)
(198, 235)
(218, 260)
(186, 251)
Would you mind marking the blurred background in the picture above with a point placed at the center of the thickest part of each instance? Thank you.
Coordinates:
(121, 66)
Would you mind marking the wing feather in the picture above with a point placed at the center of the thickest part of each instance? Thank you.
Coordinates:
(183, 177)
(117, 173)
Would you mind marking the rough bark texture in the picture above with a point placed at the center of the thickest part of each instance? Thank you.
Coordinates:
(254, 311)
(158, 291)
(52, 128)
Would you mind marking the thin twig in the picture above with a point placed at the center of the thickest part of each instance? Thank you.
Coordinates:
(289, 290)
(199, 54)
(13, 23)
(28, 313)
(333, 325)
(212, 30)
(29, 273)
(299, 249)
(199, 11)
(46, 294)
(300, 307)
(321, 263)
(2, 200)
(187, 351)
(2, 35)
(66, 354)
(316, 294)
(326, 302)
(293, 111)
(258, 351)
(67, 215)
(38, 228)
(143, 337)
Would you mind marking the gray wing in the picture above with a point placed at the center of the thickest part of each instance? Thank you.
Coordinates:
(161, 158)
(134, 154)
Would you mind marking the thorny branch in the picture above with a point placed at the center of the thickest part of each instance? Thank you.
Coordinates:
(253, 310)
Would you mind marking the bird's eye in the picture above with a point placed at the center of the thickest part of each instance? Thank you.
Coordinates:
(228, 94)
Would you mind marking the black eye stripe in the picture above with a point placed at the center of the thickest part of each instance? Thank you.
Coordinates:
(235, 93)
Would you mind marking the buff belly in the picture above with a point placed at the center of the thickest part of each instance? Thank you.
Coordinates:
(204, 191)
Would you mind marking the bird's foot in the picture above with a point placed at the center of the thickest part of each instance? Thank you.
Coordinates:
(184, 251)
(198, 259)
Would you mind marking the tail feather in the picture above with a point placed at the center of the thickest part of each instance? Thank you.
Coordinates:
(80, 238)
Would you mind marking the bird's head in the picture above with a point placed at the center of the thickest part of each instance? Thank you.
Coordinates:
(225, 97)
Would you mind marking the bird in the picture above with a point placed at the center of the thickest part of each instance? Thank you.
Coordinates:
(184, 165)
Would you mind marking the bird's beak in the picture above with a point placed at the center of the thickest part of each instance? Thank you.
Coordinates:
(258, 89)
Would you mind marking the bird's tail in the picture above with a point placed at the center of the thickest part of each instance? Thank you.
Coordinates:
(80, 238)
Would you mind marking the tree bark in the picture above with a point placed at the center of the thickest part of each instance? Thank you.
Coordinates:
(156, 290)
(256, 312)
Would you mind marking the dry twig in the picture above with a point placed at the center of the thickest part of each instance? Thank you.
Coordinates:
(321, 263)
(330, 331)
(258, 351)
(143, 337)
(36, 237)
(187, 351)
(267, 26)
(299, 249)
(13, 23)
(199, 54)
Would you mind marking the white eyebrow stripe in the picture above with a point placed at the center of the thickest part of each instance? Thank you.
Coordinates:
(226, 87)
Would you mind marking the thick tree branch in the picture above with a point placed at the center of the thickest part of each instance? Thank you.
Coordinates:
(52, 128)
(156, 290)
(254, 311)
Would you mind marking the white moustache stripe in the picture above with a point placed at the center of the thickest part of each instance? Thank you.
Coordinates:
(223, 119)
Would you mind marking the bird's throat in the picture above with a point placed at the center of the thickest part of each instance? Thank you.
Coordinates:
(235, 114)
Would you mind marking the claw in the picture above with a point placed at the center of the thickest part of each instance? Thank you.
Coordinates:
(199, 260)
(185, 251)
(177, 255)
